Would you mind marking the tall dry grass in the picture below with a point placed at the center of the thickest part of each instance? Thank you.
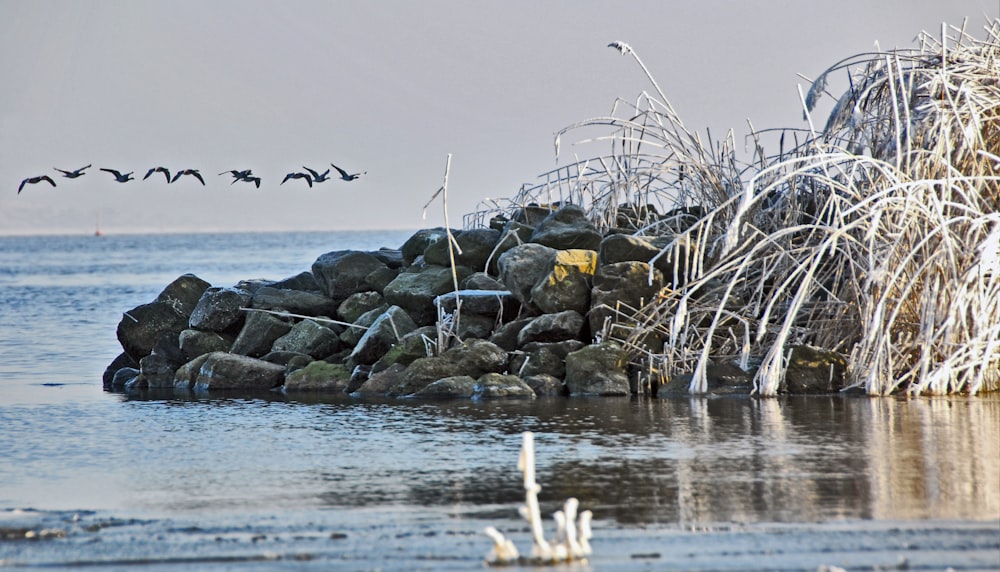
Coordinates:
(876, 235)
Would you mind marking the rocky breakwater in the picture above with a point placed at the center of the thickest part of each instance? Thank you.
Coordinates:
(539, 302)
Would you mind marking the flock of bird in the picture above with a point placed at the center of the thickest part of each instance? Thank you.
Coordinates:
(245, 176)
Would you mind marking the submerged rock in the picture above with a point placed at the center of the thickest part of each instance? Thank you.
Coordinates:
(319, 376)
(597, 369)
(225, 371)
(494, 385)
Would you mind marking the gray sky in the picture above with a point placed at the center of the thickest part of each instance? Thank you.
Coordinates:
(386, 87)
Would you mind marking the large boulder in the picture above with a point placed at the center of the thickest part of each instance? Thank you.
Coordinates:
(568, 285)
(415, 291)
(474, 248)
(619, 289)
(419, 241)
(422, 372)
(567, 228)
(384, 332)
(186, 374)
(545, 385)
(319, 376)
(183, 293)
(197, 342)
(543, 358)
(813, 370)
(491, 303)
(597, 369)
(448, 387)
(524, 266)
(411, 347)
(512, 234)
(381, 383)
(304, 281)
(493, 385)
(345, 272)
(142, 327)
(357, 304)
(505, 336)
(294, 301)
(353, 334)
(225, 371)
(310, 338)
(626, 248)
(477, 357)
(552, 328)
(219, 309)
(259, 333)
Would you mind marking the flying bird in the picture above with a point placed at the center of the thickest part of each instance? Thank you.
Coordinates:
(248, 179)
(164, 170)
(345, 176)
(298, 176)
(33, 180)
(118, 176)
(244, 175)
(73, 174)
(192, 172)
(318, 177)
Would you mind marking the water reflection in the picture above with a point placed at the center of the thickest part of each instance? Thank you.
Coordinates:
(637, 461)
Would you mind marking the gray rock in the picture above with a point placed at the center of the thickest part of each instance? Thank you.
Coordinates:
(523, 266)
(483, 302)
(225, 371)
(481, 281)
(552, 328)
(415, 291)
(545, 385)
(219, 309)
(475, 326)
(506, 335)
(621, 286)
(512, 234)
(448, 387)
(158, 370)
(477, 357)
(294, 301)
(533, 215)
(345, 272)
(357, 304)
(543, 358)
(567, 286)
(292, 361)
(142, 327)
(197, 342)
(186, 374)
(121, 361)
(813, 370)
(385, 332)
(419, 241)
(722, 379)
(304, 281)
(476, 245)
(123, 376)
(567, 228)
(495, 385)
(597, 369)
(351, 336)
(310, 338)
(381, 383)
(422, 372)
(183, 293)
(381, 277)
(410, 348)
(359, 375)
(259, 333)
(319, 376)
(626, 248)
(392, 258)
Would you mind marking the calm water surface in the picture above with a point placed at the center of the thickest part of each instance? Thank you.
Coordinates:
(265, 481)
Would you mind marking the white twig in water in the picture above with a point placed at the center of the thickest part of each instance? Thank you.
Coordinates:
(572, 540)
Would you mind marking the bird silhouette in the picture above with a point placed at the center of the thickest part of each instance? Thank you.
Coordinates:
(73, 174)
(164, 170)
(192, 172)
(345, 176)
(249, 179)
(244, 175)
(118, 176)
(298, 176)
(317, 176)
(33, 180)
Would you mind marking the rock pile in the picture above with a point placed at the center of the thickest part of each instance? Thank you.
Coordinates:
(533, 295)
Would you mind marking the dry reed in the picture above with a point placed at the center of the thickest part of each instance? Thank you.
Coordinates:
(876, 236)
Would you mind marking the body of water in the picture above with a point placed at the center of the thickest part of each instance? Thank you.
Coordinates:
(335, 483)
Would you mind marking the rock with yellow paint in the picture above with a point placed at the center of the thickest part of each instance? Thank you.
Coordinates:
(567, 286)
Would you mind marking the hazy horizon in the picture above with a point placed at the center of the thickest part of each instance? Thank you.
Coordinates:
(390, 88)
